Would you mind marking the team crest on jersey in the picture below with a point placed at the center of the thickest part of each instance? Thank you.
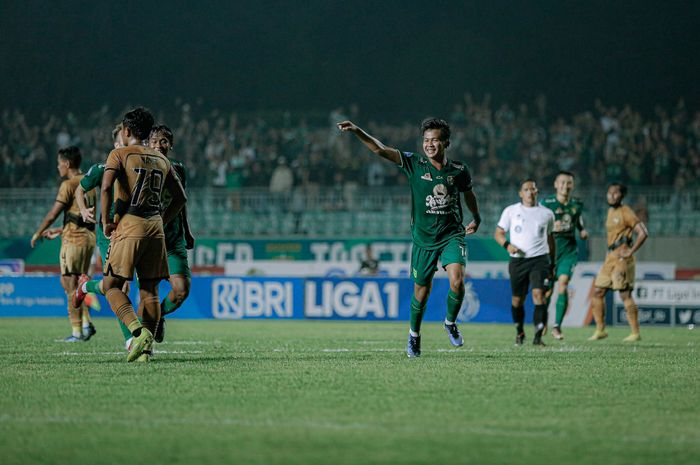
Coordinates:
(427, 177)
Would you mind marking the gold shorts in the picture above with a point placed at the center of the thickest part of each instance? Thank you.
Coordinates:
(146, 255)
(617, 273)
(75, 259)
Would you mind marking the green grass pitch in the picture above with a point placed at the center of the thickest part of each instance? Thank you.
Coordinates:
(274, 392)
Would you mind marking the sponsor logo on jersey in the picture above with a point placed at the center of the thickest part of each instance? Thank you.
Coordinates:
(427, 177)
(439, 201)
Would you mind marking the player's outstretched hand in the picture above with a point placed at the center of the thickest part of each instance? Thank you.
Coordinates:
(35, 238)
(52, 234)
(346, 126)
(88, 215)
(472, 227)
(108, 228)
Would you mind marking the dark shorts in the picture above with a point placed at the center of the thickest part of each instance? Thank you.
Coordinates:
(526, 272)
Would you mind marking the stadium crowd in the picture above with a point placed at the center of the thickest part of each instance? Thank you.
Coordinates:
(500, 142)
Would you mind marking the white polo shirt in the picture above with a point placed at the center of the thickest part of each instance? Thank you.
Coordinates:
(528, 228)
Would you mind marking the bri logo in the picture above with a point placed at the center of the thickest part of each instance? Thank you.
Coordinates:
(236, 299)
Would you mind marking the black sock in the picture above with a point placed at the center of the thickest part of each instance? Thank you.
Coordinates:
(518, 318)
(540, 318)
(136, 332)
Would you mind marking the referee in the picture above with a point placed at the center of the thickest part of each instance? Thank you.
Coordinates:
(530, 244)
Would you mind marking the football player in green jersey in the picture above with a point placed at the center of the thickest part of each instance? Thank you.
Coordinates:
(436, 220)
(178, 237)
(568, 217)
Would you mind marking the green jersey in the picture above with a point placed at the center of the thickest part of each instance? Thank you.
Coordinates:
(175, 230)
(93, 180)
(567, 218)
(436, 207)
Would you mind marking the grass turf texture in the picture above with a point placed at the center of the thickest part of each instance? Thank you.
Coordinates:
(271, 392)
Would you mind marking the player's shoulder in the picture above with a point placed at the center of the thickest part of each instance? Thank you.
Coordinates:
(549, 200)
(458, 165)
(577, 201)
(95, 169)
(176, 164)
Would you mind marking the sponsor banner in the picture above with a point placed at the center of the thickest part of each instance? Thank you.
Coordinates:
(485, 301)
(11, 267)
(36, 296)
(664, 303)
(216, 252)
(236, 298)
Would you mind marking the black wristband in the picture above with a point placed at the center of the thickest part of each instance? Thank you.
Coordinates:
(506, 244)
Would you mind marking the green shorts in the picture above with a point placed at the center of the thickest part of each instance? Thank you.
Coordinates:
(424, 261)
(566, 264)
(177, 261)
(102, 244)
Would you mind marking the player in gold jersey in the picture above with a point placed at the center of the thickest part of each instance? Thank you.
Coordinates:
(617, 273)
(77, 238)
(137, 242)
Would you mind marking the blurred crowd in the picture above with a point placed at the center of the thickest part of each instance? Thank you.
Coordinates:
(501, 143)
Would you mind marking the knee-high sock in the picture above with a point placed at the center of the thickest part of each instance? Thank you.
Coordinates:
(518, 314)
(454, 303)
(168, 306)
(121, 306)
(632, 315)
(562, 303)
(151, 313)
(417, 311)
(85, 312)
(598, 310)
(540, 317)
(74, 316)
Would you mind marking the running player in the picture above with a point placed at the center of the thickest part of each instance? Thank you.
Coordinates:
(178, 237)
(568, 217)
(77, 239)
(531, 247)
(618, 270)
(137, 242)
(436, 220)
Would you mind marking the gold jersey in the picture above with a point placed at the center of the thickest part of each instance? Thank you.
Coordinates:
(75, 230)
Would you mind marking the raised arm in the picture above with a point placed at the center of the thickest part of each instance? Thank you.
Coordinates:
(88, 214)
(106, 201)
(473, 206)
(370, 142)
(174, 186)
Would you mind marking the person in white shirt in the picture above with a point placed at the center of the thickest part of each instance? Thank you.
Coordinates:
(531, 246)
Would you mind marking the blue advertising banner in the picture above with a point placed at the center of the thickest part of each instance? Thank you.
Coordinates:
(378, 299)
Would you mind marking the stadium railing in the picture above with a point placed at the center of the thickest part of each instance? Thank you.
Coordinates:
(356, 212)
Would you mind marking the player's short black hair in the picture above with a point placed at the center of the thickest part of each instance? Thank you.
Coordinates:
(72, 155)
(620, 186)
(436, 123)
(117, 129)
(565, 173)
(526, 180)
(162, 129)
(139, 121)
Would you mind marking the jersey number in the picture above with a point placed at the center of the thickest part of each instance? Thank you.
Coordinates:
(154, 178)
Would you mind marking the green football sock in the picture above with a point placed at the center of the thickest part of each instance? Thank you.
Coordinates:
(167, 306)
(125, 331)
(562, 303)
(454, 303)
(94, 287)
(417, 311)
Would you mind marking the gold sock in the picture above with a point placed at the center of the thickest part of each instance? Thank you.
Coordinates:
(632, 315)
(598, 309)
(151, 313)
(121, 306)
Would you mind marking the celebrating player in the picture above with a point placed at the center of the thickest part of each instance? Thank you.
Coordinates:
(532, 250)
(137, 242)
(77, 239)
(178, 237)
(618, 270)
(436, 220)
(568, 216)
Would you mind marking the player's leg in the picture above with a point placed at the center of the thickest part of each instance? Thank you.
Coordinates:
(453, 259)
(180, 282)
(519, 284)
(623, 279)
(423, 267)
(598, 310)
(561, 305)
(69, 283)
(150, 310)
(84, 261)
(539, 272)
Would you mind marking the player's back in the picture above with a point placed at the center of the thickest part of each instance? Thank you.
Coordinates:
(141, 173)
